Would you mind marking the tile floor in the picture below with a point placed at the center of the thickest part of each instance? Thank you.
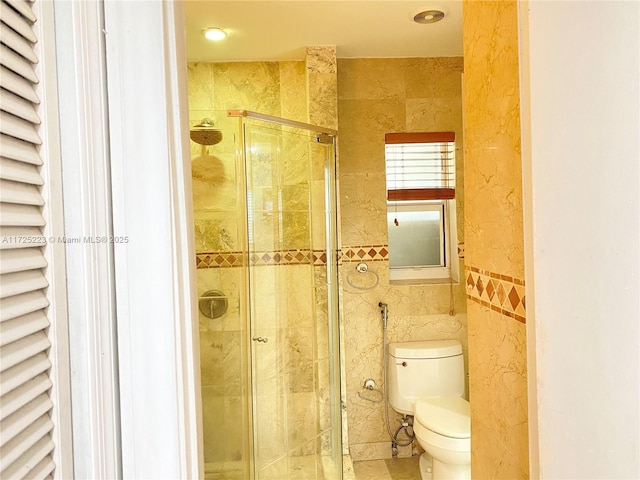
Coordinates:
(388, 469)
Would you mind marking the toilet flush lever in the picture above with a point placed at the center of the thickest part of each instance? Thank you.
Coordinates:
(404, 364)
(260, 339)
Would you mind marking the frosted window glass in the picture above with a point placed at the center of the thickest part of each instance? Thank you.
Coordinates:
(416, 240)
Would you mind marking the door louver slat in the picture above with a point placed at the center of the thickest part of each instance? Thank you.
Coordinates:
(30, 463)
(16, 306)
(24, 394)
(20, 327)
(16, 376)
(17, 22)
(19, 172)
(23, 349)
(22, 259)
(14, 84)
(21, 282)
(18, 106)
(20, 193)
(23, 7)
(25, 440)
(18, 43)
(20, 215)
(19, 128)
(24, 417)
(15, 149)
(20, 237)
(26, 443)
(17, 64)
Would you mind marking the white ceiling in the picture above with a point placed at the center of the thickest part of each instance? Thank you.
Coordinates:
(265, 30)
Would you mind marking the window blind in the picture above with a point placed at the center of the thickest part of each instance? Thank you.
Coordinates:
(26, 444)
(420, 166)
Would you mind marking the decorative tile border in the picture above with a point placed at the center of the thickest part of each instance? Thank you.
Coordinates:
(358, 253)
(375, 253)
(219, 259)
(278, 257)
(365, 253)
(501, 293)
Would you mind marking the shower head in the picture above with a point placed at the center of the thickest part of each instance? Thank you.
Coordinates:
(205, 134)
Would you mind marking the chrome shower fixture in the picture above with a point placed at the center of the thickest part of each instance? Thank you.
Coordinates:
(385, 313)
(205, 134)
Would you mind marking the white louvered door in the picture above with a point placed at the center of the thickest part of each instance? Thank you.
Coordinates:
(26, 441)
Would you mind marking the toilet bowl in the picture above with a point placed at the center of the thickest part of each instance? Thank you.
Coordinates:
(442, 428)
(426, 380)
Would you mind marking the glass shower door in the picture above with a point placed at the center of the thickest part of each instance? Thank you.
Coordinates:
(292, 302)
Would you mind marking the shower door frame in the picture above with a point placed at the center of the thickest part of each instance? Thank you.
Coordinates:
(324, 136)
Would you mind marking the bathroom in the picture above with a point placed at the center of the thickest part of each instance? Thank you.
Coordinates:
(363, 99)
(553, 365)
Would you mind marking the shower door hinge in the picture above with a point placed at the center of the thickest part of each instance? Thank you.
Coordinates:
(324, 138)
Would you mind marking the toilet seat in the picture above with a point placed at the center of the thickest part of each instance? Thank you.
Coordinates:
(446, 416)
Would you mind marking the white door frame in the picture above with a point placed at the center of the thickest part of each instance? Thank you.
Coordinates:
(123, 95)
(155, 270)
(90, 278)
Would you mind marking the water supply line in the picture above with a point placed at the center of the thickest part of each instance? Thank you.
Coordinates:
(407, 421)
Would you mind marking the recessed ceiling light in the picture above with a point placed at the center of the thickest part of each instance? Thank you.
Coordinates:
(215, 34)
(428, 16)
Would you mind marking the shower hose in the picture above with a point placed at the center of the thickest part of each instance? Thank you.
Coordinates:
(405, 426)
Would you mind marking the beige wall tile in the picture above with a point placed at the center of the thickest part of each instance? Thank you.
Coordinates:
(248, 85)
(493, 171)
(363, 124)
(378, 96)
(371, 79)
(293, 91)
(494, 237)
(322, 93)
(201, 86)
(433, 77)
(363, 209)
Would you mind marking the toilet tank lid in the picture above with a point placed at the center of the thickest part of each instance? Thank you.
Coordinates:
(448, 416)
(426, 349)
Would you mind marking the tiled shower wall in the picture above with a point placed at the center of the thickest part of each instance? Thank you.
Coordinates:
(292, 376)
(378, 96)
(495, 242)
(274, 88)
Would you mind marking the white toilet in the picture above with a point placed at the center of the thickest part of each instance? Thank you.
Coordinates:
(426, 380)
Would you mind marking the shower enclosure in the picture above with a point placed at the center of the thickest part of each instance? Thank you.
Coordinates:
(265, 217)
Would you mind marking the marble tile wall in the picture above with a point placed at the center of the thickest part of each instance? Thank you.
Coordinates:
(378, 96)
(494, 242)
(272, 88)
(275, 88)
(293, 422)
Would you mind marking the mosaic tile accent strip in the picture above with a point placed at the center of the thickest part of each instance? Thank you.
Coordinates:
(365, 253)
(375, 253)
(358, 253)
(219, 259)
(500, 293)
(278, 257)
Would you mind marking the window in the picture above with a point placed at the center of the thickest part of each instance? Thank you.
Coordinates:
(420, 173)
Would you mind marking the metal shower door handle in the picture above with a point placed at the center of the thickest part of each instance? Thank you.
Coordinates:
(260, 339)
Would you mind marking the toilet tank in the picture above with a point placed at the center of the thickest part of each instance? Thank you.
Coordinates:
(423, 369)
